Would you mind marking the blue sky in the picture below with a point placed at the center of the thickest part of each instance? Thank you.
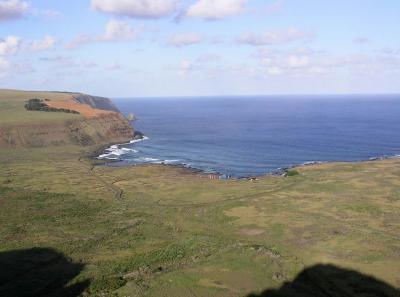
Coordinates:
(123, 48)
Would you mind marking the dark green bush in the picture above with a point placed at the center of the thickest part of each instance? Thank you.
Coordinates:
(292, 173)
(35, 104)
(106, 284)
(38, 105)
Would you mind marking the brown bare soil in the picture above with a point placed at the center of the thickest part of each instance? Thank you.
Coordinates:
(85, 110)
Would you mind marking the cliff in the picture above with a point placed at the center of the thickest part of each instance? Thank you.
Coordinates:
(97, 122)
(96, 102)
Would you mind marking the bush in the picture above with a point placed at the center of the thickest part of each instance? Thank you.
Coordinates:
(35, 104)
(38, 105)
(292, 173)
(107, 284)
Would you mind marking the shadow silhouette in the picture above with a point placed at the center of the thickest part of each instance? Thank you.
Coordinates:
(38, 272)
(331, 281)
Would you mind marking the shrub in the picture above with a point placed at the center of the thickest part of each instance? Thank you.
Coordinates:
(292, 173)
(38, 105)
(35, 104)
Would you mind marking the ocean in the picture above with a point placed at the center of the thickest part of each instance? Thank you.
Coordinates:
(250, 136)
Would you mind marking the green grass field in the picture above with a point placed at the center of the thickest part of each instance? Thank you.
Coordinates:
(12, 110)
(165, 231)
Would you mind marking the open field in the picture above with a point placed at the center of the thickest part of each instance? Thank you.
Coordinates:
(164, 231)
(59, 119)
(12, 110)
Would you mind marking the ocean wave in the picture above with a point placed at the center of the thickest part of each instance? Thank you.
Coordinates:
(138, 140)
(308, 163)
(115, 151)
(385, 157)
(147, 160)
(171, 161)
(156, 161)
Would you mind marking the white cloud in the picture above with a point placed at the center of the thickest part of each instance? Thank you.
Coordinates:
(274, 37)
(208, 57)
(46, 43)
(9, 45)
(184, 39)
(295, 61)
(14, 45)
(4, 64)
(274, 70)
(308, 63)
(79, 41)
(12, 9)
(46, 14)
(49, 14)
(317, 70)
(389, 51)
(216, 9)
(89, 64)
(114, 66)
(151, 9)
(185, 67)
(118, 31)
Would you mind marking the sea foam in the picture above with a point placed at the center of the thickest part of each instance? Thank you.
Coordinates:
(116, 150)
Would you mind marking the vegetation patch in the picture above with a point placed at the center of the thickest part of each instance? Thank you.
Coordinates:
(106, 285)
(290, 173)
(39, 105)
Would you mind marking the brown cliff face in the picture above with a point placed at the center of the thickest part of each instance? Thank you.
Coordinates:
(101, 130)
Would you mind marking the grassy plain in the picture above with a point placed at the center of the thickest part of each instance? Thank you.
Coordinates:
(165, 231)
(12, 110)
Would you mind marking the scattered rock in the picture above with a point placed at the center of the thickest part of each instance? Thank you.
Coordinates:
(279, 277)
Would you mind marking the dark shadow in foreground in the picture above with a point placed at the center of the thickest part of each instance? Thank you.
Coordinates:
(38, 272)
(331, 281)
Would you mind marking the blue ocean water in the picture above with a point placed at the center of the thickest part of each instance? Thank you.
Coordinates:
(245, 136)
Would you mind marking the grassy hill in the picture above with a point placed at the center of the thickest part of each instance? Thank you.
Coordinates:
(69, 227)
(80, 119)
(12, 110)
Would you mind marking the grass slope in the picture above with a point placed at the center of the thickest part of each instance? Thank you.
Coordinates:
(12, 110)
(175, 233)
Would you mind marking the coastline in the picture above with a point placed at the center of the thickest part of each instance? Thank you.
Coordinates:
(222, 176)
(94, 156)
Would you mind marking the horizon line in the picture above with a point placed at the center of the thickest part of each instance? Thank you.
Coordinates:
(255, 96)
(208, 96)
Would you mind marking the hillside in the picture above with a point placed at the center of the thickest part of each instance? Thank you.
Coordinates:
(165, 231)
(95, 121)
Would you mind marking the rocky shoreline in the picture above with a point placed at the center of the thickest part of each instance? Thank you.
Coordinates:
(217, 175)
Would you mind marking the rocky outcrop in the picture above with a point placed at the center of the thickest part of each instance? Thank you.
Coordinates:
(100, 130)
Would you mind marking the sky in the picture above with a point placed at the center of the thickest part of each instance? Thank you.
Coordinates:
(138, 48)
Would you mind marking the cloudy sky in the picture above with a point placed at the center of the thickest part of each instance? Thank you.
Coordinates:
(201, 47)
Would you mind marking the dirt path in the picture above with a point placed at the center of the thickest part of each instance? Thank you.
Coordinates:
(118, 192)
